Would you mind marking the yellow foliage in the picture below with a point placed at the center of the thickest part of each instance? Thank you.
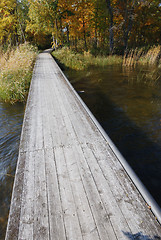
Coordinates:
(8, 19)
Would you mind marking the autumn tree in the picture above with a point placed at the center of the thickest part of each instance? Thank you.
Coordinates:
(22, 17)
(95, 25)
(147, 24)
(39, 25)
(8, 22)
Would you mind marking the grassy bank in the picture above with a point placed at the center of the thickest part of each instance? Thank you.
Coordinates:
(16, 67)
(143, 58)
(78, 61)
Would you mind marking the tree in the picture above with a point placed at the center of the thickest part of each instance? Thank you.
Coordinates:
(92, 25)
(147, 24)
(111, 35)
(39, 25)
(8, 22)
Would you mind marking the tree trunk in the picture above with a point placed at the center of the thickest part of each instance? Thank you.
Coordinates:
(61, 31)
(84, 35)
(111, 35)
(68, 40)
(96, 39)
(22, 32)
(128, 23)
(75, 43)
(95, 30)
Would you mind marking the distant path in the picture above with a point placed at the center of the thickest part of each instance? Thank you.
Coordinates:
(69, 184)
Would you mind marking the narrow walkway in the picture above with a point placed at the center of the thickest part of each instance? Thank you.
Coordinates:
(69, 183)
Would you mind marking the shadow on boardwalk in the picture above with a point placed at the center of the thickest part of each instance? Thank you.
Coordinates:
(140, 236)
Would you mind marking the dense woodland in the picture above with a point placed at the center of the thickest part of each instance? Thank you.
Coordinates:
(98, 26)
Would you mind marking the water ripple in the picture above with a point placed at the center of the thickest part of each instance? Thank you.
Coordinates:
(11, 117)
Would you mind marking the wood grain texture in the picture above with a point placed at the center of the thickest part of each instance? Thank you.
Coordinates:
(69, 184)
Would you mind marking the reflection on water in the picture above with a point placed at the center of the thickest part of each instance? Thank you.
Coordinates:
(11, 118)
(130, 113)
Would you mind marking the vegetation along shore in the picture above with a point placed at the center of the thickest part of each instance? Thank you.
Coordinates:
(80, 61)
(93, 32)
(16, 67)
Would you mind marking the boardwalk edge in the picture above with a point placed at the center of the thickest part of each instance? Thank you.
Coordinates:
(156, 210)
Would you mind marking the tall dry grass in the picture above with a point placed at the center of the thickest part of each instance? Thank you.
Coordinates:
(150, 58)
(132, 57)
(16, 67)
(139, 56)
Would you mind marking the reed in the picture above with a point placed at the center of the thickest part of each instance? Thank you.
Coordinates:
(150, 78)
(132, 57)
(152, 56)
(139, 56)
(16, 67)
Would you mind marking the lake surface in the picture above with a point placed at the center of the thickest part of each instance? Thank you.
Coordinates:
(11, 117)
(129, 110)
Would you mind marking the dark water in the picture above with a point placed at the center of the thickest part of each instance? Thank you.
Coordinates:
(11, 117)
(130, 112)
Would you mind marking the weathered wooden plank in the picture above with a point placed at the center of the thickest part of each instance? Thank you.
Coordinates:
(129, 199)
(71, 220)
(74, 114)
(100, 214)
(78, 188)
(51, 119)
(39, 141)
(28, 136)
(116, 216)
(82, 124)
(29, 118)
(27, 205)
(57, 229)
(64, 112)
(122, 197)
(15, 208)
(85, 215)
(58, 129)
(68, 125)
(64, 124)
(47, 133)
(41, 218)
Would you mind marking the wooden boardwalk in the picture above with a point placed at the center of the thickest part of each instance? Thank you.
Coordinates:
(69, 184)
